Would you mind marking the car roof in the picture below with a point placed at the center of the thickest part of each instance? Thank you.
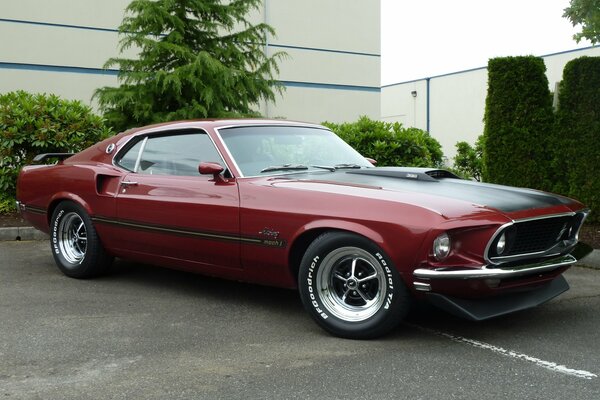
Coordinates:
(219, 123)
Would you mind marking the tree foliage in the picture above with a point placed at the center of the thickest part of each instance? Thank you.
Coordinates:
(587, 14)
(197, 59)
(31, 124)
(390, 143)
(518, 121)
(468, 160)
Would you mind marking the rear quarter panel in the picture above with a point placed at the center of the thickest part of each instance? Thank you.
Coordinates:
(41, 188)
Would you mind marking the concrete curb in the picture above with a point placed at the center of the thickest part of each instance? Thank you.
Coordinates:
(21, 233)
(592, 260)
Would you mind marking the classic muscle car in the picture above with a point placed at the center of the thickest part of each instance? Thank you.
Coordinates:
(291, 205)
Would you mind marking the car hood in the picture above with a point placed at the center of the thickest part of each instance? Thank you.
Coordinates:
(438, 190)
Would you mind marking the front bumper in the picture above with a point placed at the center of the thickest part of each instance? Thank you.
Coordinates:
(580, 251)
(487, 273)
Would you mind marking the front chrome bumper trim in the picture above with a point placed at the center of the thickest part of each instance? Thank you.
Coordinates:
(486, 273)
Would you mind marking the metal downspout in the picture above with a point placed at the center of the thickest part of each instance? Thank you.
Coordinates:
(266, 20)
(427, 108)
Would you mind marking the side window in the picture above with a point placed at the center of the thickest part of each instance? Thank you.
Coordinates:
(177, 154)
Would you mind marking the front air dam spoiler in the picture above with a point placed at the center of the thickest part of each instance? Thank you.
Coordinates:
(482, 309)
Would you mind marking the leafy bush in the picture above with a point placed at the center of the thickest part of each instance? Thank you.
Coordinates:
(390, 143)
(7, 204)
(38, 123)
(518, 121)
(468, 160)
(578, 133)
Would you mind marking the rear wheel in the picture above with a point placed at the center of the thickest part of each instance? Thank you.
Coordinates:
(76, 248)
(350, 287)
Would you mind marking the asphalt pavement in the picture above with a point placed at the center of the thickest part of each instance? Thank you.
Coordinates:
(151, 333)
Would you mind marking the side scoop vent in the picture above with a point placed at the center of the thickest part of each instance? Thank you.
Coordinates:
(416, 174)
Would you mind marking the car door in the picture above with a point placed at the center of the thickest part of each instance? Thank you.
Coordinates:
(167, 210)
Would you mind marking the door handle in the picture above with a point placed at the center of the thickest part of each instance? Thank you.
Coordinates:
(128, 183)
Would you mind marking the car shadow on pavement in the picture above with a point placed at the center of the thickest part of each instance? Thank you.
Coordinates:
(184, 283)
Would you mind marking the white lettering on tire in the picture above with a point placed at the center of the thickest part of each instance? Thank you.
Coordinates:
(311, 290)
(55, 232)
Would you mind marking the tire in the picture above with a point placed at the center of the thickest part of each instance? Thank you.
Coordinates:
(350, 287)
(75, 245)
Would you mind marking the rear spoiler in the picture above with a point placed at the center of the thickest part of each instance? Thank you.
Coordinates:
(60, 156)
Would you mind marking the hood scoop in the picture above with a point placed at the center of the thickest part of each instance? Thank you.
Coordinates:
(415, 174)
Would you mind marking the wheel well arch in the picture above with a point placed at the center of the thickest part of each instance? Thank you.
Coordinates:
(299, 247)
(303, 240)
(60, 197)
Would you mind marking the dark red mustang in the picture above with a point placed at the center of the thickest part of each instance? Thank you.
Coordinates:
(291, 205)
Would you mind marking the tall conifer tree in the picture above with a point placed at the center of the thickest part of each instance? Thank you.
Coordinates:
(196, 59)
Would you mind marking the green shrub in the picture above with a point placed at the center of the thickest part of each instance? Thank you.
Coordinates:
(518, 122)
(390, 143)
(31, 124)
(578, 133)
(468, 160)
(7, 204)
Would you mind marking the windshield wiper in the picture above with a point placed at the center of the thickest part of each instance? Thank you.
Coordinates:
(327, 167)
(285, 167)
(347, 166)
(301, 167)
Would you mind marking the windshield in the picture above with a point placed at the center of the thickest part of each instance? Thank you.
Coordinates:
(269, 150)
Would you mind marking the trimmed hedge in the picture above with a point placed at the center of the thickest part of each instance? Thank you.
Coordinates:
(31, 124)
(390, 143)
(518, 123)
(578, 133)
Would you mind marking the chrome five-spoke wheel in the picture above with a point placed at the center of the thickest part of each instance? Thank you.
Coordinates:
(72, 238)
(350, 284)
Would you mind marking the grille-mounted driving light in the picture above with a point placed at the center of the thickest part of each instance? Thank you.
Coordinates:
(501, 245)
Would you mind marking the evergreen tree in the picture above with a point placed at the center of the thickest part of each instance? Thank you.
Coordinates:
(196, 59)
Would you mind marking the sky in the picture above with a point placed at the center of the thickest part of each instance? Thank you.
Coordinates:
(424, 38)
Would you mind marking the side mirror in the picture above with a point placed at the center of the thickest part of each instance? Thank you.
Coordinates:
(372, 161)
(212, 168)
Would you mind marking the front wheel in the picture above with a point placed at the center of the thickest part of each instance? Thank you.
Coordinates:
(76, 248)
(350, 287)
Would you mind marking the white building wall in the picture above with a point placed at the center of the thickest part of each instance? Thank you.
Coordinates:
(456, 109)
(332, 71)
(456, 100)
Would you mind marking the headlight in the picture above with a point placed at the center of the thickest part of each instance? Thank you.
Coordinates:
(501, 245)
(441, 246)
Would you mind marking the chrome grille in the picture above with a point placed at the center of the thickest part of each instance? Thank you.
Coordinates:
(536, 237)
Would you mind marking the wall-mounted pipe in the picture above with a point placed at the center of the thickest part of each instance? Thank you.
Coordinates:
(428, 103)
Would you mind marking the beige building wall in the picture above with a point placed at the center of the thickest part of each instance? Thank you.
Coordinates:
(332, 71)
(456, 103)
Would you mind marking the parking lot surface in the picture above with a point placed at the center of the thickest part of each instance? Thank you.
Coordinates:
(152, 333)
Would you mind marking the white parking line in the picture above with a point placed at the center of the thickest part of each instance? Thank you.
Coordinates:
(509, 353)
